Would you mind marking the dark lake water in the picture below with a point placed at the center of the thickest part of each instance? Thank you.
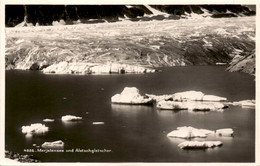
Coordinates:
(130, 133)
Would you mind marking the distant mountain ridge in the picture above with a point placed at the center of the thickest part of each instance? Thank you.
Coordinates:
(31, 15)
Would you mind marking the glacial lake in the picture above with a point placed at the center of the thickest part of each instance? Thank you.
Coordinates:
(129, 133)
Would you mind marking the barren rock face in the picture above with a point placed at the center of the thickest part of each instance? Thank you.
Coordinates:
(244, 64)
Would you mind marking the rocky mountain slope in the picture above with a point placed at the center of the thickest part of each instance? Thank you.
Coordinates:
(74, 14)
(244, 64)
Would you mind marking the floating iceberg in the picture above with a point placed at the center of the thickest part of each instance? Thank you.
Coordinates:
(98, 123)
(160, 97)
(190, 105)
(187, 96)
(70, 118)
(36, 128)
(213, 98)
(48, 120)
(199, 144)
(189, 132)
(245, 103)
(131, 95)
(225, 132)
(55, 144)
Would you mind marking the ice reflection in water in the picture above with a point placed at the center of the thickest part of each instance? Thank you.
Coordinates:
(70, 124)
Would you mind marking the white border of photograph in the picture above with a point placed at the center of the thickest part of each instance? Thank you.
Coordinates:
(4, 161)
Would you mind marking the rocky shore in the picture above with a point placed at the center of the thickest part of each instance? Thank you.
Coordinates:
(20, 158)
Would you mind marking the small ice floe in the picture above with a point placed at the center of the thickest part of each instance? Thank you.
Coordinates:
(70, 118)
(221, 63)
(189, 132)
(36, 128)
(98, 123)
(159, 97)
(245, 103)
(55, 144)
(48, 120)
(190, 105)
(213, 98)
(199, 144)
(187, 96)
(131, 95)
(228, 132)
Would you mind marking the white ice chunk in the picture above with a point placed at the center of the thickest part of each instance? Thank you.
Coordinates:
(225, 132)
(190, 105)
(36, 128)
(130, 95)
(199, 144)
(98, 123)
(70, 118)
(55, 144)
(188, 95)
(213, 98)
(189, 132)
(48, 120)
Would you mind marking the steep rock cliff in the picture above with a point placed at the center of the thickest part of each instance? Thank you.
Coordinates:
(73, 14)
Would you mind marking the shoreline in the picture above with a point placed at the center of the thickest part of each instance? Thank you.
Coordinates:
(19, 158)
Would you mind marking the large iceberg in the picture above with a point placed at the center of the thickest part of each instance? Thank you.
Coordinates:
(70, 118)
(190, 105)
(36, 128)
(55, 144)
(131, 95)
(199, 144)
(189, 132)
